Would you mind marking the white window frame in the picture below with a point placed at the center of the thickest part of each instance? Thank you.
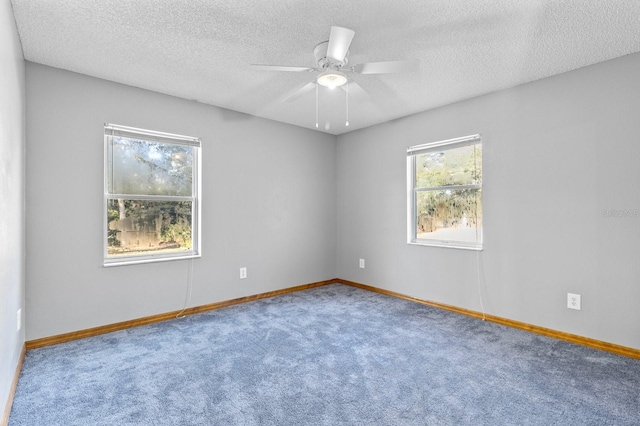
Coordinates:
(111, 130)
(412, 191)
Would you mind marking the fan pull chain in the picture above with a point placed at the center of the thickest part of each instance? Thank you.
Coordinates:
(317, 106)
(347, 101)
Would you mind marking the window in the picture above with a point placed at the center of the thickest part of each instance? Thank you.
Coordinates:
(151, 196)
(444, 181)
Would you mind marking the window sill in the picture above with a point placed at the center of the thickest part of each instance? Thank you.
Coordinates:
(446, 244)
(124, 261)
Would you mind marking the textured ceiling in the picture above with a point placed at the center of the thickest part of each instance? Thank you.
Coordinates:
(202, 49)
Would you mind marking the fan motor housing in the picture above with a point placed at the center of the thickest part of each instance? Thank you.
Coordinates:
(320, 53)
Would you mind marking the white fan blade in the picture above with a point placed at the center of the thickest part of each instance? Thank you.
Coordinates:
(389, 67)
(301, 91)
(339, 42)
(280, 68)
(356, 92)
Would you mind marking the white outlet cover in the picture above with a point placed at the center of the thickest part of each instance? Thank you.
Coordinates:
(573, 301)
(243, 273)
(362, 263)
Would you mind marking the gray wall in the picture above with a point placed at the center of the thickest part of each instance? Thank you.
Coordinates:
(559, 154)
(12, 140)
(268, 204)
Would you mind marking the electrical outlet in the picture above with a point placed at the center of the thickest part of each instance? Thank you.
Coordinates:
(243, 273)
(19, 319)
(573, 301)
(362, 263)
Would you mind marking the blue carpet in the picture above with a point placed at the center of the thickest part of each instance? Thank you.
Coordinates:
(332, 355)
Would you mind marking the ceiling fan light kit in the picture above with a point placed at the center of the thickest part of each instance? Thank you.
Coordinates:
(332, 79)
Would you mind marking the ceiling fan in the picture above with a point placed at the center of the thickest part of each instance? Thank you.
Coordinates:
(332, 58)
